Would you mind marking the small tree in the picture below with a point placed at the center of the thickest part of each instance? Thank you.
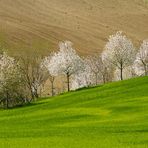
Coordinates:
(120, 52)
(45, 65)
(99, 68)
(34, 75)
(94, 63)
(141, 62)
(66, 62)
(83, 78)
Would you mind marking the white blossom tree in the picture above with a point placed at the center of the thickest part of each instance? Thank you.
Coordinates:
(10, 80)
(45, 64)
(83, 78)
(119, 51)
(66, 61)
(141, 62)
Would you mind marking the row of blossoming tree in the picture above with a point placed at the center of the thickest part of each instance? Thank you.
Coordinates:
(119, 60)
(23, 80)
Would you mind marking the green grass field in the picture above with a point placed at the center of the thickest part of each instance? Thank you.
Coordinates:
(114, 115)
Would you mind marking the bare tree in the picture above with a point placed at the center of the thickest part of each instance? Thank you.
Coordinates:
(99, 68)
(34, 75)
(141, 62)
(94, 64)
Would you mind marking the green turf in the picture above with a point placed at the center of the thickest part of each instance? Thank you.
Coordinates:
(110, 116)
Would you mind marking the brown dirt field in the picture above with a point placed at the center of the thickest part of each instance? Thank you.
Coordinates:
(36, 26)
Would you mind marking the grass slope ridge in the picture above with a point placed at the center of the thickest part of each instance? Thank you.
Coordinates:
(40, 24)
(108, 116)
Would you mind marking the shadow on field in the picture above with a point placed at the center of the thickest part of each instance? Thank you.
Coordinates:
(26, 105)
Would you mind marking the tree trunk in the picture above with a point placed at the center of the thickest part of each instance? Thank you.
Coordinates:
(52, 85)
(145, 69)
(121, 71)
(96, 78)
(36, 94)
(31, 91)
(104, 79)
(32, 95)
(68, 82)
(7, 101)
(121, 75)
(52, 88)
(7, 104)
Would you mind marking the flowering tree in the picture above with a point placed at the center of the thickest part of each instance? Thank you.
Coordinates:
(83, 78)
(10, 80)
(66, 62)
(45, 65)
(141, 62)
(119, 51)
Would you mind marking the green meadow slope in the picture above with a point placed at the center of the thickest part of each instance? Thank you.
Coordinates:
(114, 115)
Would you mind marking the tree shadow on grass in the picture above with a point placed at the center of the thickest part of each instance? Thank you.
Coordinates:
(26, 105)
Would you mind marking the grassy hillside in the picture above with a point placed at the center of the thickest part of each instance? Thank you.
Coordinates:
(38, 25)
(109, 116)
